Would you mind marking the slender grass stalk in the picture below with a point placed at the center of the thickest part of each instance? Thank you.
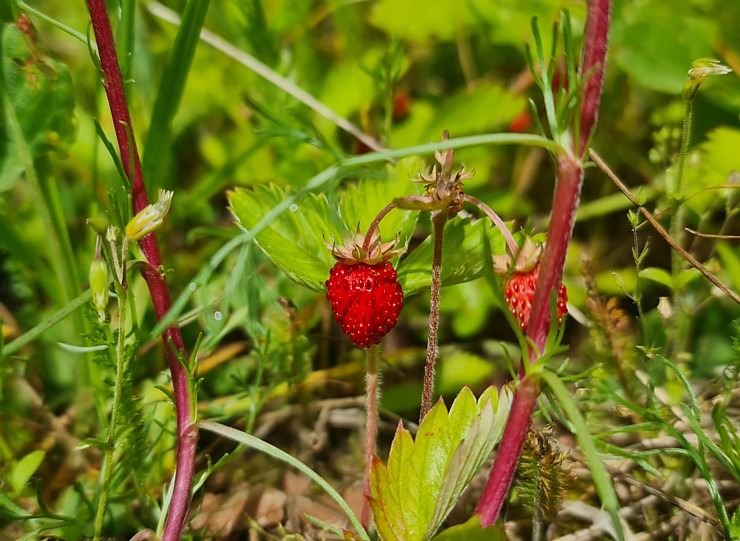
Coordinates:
(599, 474)
(169, 95)
(174, 346)
(32, 334)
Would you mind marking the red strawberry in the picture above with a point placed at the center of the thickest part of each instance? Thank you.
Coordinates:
(522, 272)
(519, 293)
(366, 300)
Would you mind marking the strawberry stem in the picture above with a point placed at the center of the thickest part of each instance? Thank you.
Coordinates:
(371, 422)
(375, 223)
(439, 218)
(497, 221)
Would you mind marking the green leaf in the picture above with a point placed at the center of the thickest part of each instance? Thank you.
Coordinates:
(660, 276)
(22, 470)
(431, 18)
(170, 91)
(361, 202)
(461, 112)
(464, 255)
(471, 530)
(39, 90)
(294, 240)
(414, 493)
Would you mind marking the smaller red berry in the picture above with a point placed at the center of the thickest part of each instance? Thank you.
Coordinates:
(522, 275)
(519, 293)
(363, 289)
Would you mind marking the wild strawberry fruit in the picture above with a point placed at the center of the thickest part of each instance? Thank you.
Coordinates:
(366, 300)
(519, 293)
(363, 289)
(521, 281)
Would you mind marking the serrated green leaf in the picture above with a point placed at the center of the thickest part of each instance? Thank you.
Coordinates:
(464, 255)
(361, 202)
(415, 492)
(478, 442)
(471, 530)
(39, 90)
(22, 470)
(660, 276)
(294, 241)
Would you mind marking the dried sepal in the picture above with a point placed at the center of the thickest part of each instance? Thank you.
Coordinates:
(525, 260)
(354, 250)
(443, 185)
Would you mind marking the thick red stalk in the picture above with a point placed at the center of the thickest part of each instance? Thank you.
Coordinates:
(596, 38)
(562, 218)
(499, 481)
(187, 438)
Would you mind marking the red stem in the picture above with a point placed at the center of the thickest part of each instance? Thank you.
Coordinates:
(593, 63)
(562, 218)
(499, 481)
(187, 437)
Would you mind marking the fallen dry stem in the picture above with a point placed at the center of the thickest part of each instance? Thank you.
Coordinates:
(709, 275)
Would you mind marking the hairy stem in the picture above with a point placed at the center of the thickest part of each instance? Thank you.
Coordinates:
(174, 346)
(593, 62)
(562, 218)
(439, 218)
(372, 386)
(375, 223)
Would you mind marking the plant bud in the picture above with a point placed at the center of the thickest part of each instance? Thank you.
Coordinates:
(99, 287)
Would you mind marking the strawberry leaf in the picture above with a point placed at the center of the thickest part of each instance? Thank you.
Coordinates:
(361, 202)
(294, 239)
(424, 478)
(465, 252)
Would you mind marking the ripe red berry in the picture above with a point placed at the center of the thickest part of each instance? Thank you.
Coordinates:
(519, 293)
(366, 300)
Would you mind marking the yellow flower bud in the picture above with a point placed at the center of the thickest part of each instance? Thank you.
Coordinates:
(99, 287)
(150, 217)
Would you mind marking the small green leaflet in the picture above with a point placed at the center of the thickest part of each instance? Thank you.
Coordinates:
(424, 478)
